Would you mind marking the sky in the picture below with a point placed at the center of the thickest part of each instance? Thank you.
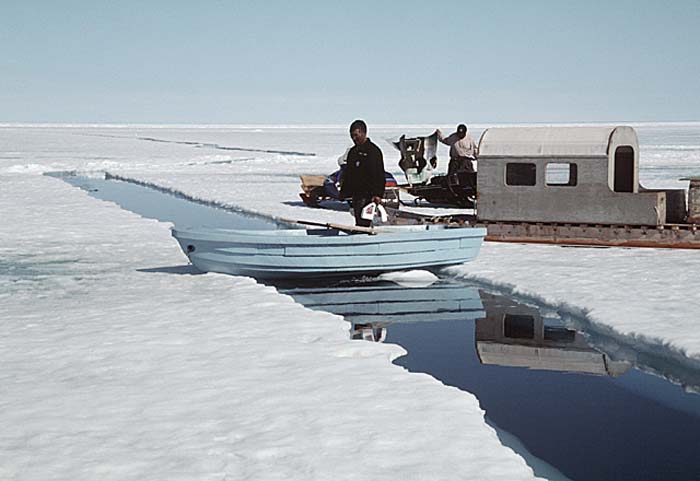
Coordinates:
(330, 62)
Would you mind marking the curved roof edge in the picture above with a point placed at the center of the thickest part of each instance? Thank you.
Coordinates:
(554, 141)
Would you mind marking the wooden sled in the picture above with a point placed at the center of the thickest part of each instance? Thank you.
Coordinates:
(314, 192)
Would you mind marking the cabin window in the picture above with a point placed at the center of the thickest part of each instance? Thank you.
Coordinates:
(561, 174)
(624, 169)
(559, 334)
(521, 174)
(518, 326)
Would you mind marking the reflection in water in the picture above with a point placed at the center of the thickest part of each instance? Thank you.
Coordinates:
(591, 413)
(507, 333)
(516, 335)
(371, 307)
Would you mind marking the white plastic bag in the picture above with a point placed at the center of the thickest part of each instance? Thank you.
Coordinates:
(382, 213)
(371, 210)
(368, 211)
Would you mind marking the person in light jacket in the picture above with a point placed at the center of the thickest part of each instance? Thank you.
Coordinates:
(462, 150)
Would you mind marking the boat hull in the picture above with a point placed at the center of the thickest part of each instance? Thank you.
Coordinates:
(311, 253)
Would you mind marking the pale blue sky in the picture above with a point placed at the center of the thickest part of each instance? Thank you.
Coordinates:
(329, 62)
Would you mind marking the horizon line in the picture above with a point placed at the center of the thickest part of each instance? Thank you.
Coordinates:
(283, 125)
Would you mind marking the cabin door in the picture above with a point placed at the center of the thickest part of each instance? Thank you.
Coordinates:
(624, 169)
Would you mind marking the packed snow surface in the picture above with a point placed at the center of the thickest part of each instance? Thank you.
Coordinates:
(119, 364)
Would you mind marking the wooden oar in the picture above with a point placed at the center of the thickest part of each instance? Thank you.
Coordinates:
(353, 229)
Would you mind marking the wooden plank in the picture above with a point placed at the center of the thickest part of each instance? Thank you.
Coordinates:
(340, 227)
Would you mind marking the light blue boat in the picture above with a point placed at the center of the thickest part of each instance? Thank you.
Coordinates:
(328, 252)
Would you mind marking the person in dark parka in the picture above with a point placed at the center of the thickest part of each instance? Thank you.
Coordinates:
(363, 179)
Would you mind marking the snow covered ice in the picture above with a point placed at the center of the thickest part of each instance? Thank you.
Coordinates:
(116, 365)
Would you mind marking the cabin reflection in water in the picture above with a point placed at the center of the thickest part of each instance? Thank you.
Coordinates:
(516, 335)
(507, 333)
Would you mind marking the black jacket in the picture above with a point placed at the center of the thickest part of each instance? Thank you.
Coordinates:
(364, 173)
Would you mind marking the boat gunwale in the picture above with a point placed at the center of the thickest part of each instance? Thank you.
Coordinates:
(281, 237)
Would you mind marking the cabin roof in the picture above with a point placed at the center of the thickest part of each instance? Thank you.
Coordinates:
(554, 141)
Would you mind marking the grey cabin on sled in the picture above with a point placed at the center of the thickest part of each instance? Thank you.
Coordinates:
(569, 175)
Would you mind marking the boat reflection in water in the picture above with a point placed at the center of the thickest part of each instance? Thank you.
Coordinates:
(371, 307)
(507, 333)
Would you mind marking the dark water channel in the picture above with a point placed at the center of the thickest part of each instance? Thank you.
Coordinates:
(151, 203)
(591, 415)
(579, 401)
